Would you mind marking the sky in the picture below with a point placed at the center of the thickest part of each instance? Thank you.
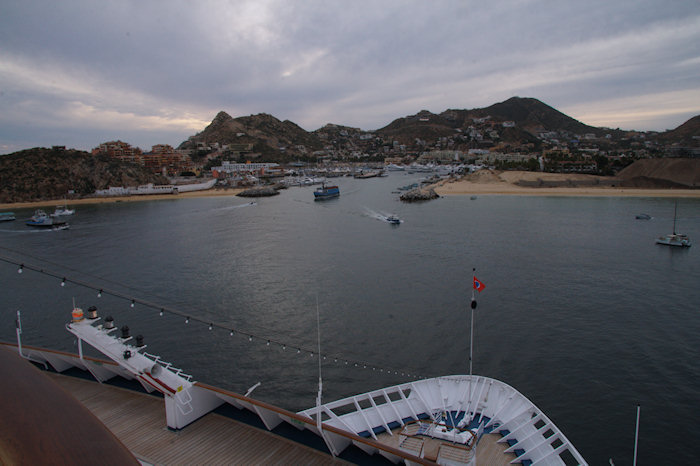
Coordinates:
(79, 73)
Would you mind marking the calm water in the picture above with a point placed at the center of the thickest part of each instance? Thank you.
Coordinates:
(582, 312)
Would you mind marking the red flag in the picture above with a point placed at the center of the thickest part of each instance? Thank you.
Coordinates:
(478, 286)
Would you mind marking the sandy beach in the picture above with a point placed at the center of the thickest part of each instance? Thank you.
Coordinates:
(493, 182)
(484, 182)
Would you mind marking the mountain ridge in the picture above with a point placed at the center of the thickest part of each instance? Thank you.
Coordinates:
(519, 121)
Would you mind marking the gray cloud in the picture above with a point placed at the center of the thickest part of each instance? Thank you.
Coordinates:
(157, 72)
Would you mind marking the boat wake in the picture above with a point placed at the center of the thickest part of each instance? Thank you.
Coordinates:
(247, 204)
(381, 216)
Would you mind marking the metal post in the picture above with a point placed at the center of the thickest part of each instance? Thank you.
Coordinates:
(471, 339)
(636, 438)
(18, 324)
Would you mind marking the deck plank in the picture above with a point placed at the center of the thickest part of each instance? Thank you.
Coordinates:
(138, 420)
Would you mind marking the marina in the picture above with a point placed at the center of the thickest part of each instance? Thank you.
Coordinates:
(394, 301)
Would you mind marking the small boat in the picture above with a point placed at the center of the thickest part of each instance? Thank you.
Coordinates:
(674, 239)
(643, 217)
(393, 219)
(326, 192)
(7, 216)
(41, 220)
(62, 210)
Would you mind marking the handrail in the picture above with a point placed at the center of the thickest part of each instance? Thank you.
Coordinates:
(263, 405)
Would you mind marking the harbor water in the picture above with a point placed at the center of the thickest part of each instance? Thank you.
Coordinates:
(581, 312)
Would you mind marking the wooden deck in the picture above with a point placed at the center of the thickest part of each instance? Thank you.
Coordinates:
(488, 451)
(138, 420)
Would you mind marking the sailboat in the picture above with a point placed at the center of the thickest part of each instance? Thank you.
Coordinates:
(674, 239)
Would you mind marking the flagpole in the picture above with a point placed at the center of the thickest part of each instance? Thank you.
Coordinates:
(471, 329)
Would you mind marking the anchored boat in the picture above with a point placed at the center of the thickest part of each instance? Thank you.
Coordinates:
(674, 239)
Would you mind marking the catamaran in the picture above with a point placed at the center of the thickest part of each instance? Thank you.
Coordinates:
(674, 239)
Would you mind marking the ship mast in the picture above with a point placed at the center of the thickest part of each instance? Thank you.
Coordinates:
(471, 329)
(675, 209)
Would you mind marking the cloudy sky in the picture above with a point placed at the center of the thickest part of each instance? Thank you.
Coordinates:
(78, 73)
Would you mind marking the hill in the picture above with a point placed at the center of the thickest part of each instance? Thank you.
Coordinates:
(524, 119)
(262, 136)
(512, 125)
(662, 173)
(40, 174)
(687, 134)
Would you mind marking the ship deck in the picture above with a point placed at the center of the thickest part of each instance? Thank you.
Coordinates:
(488, 451)
(138, 420)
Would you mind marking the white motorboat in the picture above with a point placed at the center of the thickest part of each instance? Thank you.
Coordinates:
(62, 210)
(41, 219)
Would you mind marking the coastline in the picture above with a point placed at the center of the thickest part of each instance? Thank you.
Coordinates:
(484, 182)
(138, 198)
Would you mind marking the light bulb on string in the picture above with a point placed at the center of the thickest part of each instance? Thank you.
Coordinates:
(63, 282)
(211, 326)
(231, 333)
(250, 338)
(268, 342)
(99, 293)
(161, 313)
(187, 320)
(21, 268)
(133, 303)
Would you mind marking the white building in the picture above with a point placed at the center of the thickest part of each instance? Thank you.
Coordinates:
(228, 167)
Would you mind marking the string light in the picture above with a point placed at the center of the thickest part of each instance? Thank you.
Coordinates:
(211, 325)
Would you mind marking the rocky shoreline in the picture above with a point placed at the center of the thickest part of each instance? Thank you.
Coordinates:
(419, 194)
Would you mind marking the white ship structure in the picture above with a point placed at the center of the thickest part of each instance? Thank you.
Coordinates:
(450, 420)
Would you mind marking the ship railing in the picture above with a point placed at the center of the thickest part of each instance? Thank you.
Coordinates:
(168, 366)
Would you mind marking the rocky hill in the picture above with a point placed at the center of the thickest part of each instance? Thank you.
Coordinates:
(529, 118)
(40, 174)
(262, 136)
(687, 134)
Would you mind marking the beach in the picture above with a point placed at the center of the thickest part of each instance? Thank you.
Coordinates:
(483, 182)
(494, 182)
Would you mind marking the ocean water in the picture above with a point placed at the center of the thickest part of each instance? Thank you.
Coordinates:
(582, 312)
